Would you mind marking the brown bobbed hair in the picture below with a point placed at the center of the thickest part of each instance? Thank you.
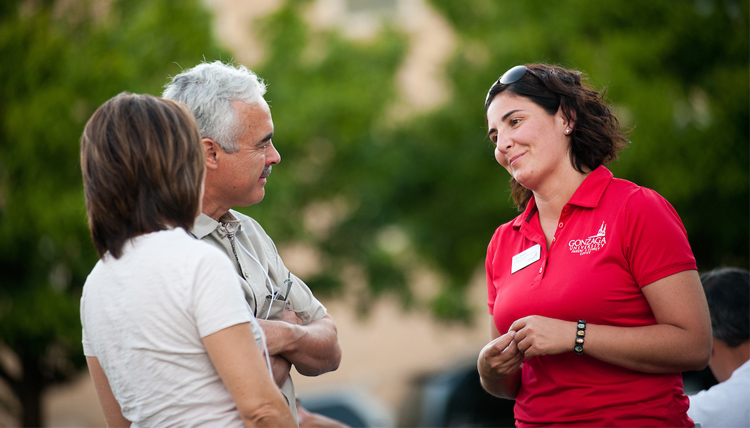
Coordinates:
(142, 166)
(596, 138)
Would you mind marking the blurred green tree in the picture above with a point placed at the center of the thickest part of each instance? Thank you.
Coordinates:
(427, 192)
(677, 74)
(61, 60)
(380, 199)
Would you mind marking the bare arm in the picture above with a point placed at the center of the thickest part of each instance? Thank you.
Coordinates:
(499, 364)
(243, 370)
(679, 341)
(313, 348)
(110, 406)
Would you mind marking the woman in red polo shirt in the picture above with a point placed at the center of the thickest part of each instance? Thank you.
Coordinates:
(595, 301)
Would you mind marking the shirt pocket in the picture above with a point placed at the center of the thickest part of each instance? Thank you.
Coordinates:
(272, 309)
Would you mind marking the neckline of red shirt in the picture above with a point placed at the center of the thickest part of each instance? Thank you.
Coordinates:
(588, 194)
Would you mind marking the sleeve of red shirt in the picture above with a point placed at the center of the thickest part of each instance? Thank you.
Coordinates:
(657, 244)
(491, 292)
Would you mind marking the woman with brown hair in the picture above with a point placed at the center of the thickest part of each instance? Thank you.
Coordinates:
(595, 301)
(167, 334)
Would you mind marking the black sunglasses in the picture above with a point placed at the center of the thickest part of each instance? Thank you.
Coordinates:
(511, 76)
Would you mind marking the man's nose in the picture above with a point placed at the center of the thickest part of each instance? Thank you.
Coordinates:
(273, 156)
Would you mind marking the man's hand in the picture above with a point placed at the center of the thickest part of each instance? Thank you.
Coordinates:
(291, 317)
(280, 332)
(313, 349)
(281, 368)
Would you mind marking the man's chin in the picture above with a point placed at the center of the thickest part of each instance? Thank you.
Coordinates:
(256, 198)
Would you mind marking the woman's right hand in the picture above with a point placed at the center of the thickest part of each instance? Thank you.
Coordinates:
(500, 358)
(499, 364)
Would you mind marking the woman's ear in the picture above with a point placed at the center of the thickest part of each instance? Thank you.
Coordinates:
(569, 116)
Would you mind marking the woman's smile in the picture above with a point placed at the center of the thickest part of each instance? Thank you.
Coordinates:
(515, 158)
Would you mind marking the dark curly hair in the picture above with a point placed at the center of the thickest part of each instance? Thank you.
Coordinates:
(596, 138)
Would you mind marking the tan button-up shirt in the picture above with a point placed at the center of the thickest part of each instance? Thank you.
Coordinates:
(263, 275)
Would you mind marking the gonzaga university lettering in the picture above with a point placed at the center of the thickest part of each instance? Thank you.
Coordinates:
(590, 244)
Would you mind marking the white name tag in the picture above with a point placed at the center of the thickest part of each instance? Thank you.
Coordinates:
(525, 258)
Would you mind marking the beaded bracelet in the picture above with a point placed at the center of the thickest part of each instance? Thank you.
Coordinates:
(580, 333)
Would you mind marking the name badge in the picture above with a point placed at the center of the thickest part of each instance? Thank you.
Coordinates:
(525, 258)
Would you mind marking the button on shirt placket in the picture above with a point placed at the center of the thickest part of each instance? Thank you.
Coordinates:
(538, 239)
(564, 217)
(561, 223)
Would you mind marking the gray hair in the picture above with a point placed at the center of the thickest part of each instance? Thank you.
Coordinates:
(209, 90)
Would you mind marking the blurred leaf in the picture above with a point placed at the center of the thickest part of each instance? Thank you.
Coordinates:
(677, 73)
(61, 61)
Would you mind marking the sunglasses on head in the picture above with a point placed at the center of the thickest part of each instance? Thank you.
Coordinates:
(511, 76)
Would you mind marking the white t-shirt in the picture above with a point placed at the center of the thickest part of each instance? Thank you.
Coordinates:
(726, 404)
(143, 317)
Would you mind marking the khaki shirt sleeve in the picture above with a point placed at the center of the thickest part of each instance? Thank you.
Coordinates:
(304, 303)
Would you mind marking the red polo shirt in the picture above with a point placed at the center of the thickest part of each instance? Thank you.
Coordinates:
(613, 238)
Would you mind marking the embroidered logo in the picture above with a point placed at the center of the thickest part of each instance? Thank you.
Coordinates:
(590, 244)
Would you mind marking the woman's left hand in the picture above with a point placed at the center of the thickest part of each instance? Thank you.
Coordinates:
(537, 335)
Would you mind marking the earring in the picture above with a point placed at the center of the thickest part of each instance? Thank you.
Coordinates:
(567, 131)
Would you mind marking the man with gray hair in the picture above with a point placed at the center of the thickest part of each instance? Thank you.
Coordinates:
(236, 130)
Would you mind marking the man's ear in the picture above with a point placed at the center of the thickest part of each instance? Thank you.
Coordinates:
(211, 149)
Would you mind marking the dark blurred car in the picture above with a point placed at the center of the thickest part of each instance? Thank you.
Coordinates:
(455, 398)
(449, 398)
(352, 406)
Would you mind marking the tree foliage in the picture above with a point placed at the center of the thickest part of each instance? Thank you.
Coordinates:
(427, 192)
(61, 61)
(381, 200)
